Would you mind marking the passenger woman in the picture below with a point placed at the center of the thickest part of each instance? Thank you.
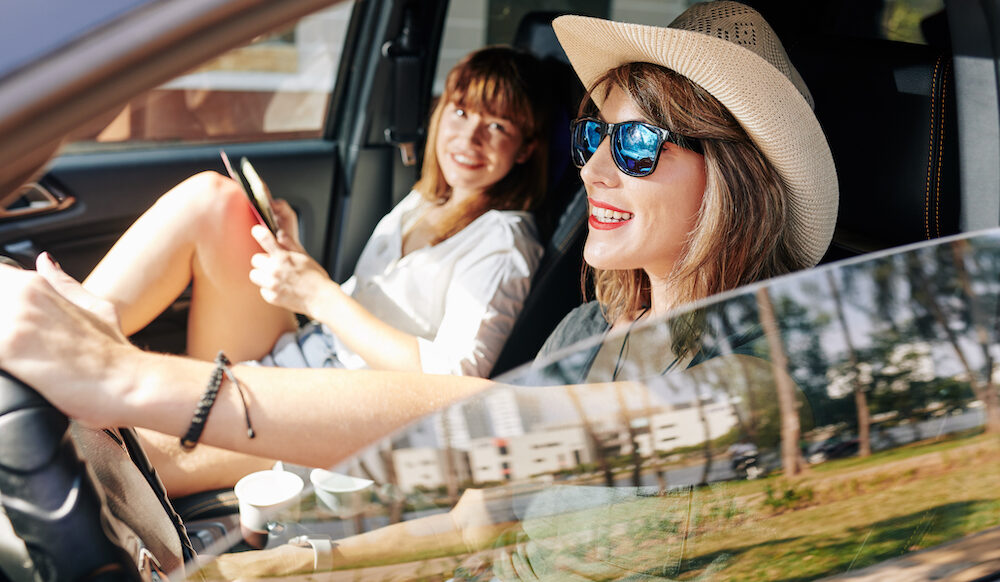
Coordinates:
(437, 287)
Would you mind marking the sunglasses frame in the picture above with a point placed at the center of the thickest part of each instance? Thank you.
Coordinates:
(605, 129)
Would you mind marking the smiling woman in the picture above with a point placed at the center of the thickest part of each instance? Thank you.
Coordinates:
(758, 200)
(716, 188)
(436, 289)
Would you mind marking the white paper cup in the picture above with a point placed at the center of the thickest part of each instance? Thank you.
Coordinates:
(261, 496)
(341, 494)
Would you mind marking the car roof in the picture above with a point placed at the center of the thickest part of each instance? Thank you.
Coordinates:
(63, 22)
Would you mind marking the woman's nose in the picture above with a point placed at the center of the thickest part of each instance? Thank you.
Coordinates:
(600, 168)
(473, 129)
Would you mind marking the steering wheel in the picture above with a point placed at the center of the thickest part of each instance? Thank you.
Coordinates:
(72, 510)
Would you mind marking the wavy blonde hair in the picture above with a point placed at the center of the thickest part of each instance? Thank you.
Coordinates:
(740, 234)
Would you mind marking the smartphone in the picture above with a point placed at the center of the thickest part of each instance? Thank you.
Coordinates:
(255, 190)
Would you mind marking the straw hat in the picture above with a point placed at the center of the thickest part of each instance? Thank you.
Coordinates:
(731, 51)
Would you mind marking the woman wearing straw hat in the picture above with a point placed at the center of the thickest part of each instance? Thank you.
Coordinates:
(705, 168)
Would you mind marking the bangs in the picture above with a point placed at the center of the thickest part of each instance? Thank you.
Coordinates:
(665, 97)
(491, 90)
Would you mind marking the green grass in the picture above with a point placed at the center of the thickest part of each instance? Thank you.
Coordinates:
(904, 452)
(849, 515)
(842, 515)
(830, 538)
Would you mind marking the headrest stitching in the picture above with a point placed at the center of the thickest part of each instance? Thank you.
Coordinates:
(930, 153)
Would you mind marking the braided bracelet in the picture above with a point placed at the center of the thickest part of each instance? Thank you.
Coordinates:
(222, 370)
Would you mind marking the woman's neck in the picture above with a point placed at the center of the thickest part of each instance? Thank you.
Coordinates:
(437, 221)
(460, 196)
(661, 296)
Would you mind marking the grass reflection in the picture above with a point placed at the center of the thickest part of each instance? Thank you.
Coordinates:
(863, 513)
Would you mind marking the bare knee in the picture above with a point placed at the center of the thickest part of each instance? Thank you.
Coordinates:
(207, 195)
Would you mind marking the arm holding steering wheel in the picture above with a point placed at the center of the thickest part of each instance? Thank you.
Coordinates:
(65, 343)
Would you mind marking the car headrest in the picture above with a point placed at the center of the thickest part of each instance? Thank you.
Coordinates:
(535, 35)
(888, 110)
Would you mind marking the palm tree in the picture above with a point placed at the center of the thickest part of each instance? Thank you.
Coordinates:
(989, 395)
(791, 430)
(595, 441)
(701, 378)
(860, 399)
(984, 392)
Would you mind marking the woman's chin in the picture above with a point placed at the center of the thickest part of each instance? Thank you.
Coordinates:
(603, 258)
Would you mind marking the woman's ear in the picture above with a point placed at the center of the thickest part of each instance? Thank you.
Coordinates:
(526, 152)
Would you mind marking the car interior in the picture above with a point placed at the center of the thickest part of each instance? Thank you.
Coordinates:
(897, 115)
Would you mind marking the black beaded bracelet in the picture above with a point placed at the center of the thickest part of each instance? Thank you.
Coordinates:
(222, 369)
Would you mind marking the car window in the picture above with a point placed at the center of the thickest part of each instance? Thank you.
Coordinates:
(903, 20)
(475, 23)
(277, 87)
(21, 44)
(838, 420)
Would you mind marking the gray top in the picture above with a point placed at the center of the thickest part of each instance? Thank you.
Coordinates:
(583, 322)
(587, 321)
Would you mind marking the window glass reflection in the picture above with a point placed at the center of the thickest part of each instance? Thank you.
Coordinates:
(827, 422)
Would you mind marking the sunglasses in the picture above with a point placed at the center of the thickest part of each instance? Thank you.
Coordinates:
(635, 145)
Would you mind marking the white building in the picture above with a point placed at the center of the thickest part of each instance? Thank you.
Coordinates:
(683, 427)
(525, 456)
(504, 412)
(427, 467)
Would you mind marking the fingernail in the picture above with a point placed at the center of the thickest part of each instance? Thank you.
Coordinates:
(48, 257)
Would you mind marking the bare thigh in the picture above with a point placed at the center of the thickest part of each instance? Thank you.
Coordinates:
(196, 234)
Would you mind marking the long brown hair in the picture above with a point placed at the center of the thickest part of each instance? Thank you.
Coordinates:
(503, 82)
(739, 235)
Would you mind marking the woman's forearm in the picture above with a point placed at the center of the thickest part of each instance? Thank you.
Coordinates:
(79, 360)
(312, 417)
(382, 346)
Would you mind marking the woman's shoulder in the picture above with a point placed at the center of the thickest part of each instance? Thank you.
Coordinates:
(513, 227)
(512, 220)
(582, 322)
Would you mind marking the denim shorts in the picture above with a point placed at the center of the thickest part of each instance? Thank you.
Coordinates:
(311, 346)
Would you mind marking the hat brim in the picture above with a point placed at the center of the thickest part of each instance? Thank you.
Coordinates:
(765, 102)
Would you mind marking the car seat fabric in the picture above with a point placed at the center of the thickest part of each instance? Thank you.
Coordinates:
(136, 511)
(889, 112)
(562, 216)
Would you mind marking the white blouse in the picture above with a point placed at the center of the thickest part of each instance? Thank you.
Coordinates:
(460, 297)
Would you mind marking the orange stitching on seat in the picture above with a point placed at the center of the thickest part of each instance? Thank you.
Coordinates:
(930, 156)
(937, 186)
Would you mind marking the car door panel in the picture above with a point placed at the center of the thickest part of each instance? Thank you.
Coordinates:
(112, 189)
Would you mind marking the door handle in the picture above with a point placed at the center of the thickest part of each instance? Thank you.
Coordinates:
(33, 199)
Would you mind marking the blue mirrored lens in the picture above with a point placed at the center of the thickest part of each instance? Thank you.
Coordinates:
(592, 136)
(635, 148)
(586, 138)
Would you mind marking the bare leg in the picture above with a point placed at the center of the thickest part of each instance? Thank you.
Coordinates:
(202, 469)
(198, 233)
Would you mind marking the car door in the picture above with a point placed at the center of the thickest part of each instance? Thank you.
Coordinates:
(313, 104)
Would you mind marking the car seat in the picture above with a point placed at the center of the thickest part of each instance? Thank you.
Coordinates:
(889, 112)
(562, 217)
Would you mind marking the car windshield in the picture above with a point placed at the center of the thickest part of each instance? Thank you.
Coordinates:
(840, 420)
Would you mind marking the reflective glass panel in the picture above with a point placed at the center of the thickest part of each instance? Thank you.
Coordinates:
(838, 422)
